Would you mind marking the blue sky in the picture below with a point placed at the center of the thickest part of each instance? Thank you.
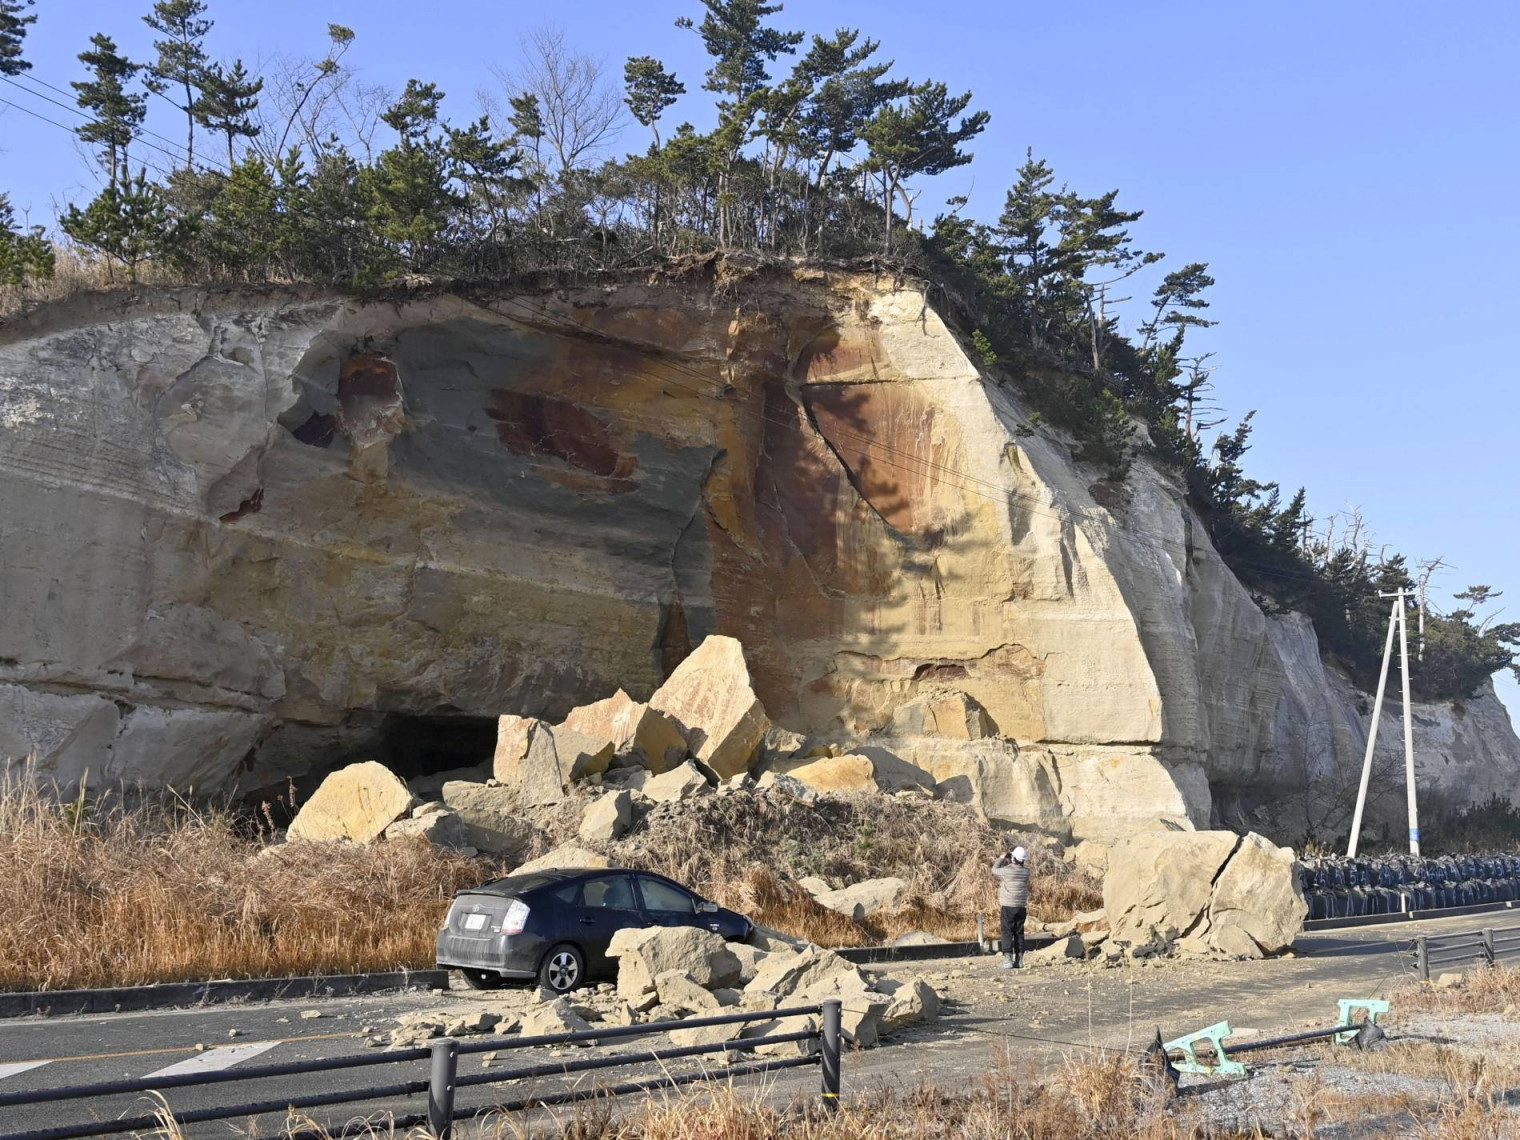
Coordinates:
(1347, 169)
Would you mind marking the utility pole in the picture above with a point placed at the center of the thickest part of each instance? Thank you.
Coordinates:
(1414, 814)
(1372, 731)
(1397, 620)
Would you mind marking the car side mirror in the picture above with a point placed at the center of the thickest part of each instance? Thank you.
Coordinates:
(707, 908)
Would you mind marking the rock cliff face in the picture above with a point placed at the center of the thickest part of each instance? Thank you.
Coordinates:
(248, 534)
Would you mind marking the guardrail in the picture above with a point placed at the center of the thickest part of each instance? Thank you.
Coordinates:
(1489, 946)
(444, 1081)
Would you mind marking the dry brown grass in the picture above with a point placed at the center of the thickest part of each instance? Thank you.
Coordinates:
(1483, 990)
(1097, 1098)
(75, 273)
(163, 891)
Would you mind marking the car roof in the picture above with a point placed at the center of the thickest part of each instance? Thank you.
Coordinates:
(538, 880)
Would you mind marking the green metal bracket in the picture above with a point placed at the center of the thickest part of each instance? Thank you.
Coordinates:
(1220, 1063)
(1347, 1006)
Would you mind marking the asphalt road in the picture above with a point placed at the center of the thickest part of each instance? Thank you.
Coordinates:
(991, 1017)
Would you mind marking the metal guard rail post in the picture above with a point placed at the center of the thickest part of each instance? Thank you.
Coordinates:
(1490, 946)
(444, 1081)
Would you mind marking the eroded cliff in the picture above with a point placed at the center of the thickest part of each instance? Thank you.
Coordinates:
(248, 534)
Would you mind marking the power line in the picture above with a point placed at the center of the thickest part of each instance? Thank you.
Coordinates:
(140, 130)
(77, 111)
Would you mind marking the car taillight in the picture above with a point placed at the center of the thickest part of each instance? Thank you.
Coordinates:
(448, 916)
(517, 917)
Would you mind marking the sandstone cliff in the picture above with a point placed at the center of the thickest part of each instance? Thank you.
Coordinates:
(246, 534)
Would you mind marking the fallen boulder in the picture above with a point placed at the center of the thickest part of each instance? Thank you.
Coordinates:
(861, 900)
(645, 953)
(441, 828)
(1259, 894)
(566, 856)
(811, 972)
(1202, 891)
(491, 816)
(911, 1001)
(608, 818)
(541, 761)
(681, 783)
(787, 786)
(633, 727)
(849, 773)
(356, 803)
(710, 697)
(749, 958)
(1067, 948)
(781, 1027)
(860, 1018)
(550, 1017)
(678, 990)
(432, 783)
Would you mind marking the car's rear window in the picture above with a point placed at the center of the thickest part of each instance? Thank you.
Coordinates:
(518, 883)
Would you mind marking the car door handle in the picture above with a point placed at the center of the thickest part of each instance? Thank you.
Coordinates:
(588, 921)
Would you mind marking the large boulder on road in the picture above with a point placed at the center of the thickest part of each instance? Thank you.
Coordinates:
(1259, 894)
(645, 953)
(356, 803)
(1203, 891)
(710, 697)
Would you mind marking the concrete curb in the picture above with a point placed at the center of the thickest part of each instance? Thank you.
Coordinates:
(175, 995)
(873, 955)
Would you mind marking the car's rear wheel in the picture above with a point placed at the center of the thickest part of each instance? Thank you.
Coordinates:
(564, 968)
(482, 979)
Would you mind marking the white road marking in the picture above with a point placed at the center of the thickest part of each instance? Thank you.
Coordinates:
(214, 1060)
(18, 1067)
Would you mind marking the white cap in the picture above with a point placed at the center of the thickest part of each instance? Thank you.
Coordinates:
(1019, 854)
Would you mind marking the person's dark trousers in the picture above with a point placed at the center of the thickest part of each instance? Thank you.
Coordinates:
(1013, 931)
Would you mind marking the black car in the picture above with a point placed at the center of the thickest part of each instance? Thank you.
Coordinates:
(555, 926)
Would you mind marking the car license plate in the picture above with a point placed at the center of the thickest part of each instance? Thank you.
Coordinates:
(474, 922)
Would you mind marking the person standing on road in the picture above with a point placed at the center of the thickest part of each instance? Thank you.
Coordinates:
(1013, 901)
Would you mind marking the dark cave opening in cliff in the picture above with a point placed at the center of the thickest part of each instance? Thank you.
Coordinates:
(413, 746)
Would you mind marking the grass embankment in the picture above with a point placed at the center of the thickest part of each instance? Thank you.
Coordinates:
(164, 890)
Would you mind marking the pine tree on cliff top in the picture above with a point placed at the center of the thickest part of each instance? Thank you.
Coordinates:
(117, 113)
(12, 32)
(227, 102)
(181, 58)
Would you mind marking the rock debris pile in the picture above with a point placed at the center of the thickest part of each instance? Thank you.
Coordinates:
(675, 974)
